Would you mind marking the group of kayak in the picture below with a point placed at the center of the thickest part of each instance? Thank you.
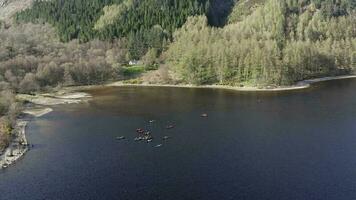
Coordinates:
(145, 135)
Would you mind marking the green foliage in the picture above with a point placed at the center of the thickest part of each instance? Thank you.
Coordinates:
(133, 70)
(112, 13)
(244, 8)
(133, 81)
(271, 46)
(150, 60)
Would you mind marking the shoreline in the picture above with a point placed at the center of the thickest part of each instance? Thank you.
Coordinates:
(41, 102)
(298, 86)
(39, 107)
(52, 99)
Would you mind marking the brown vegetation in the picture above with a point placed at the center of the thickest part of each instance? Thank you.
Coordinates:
(32, 59)
(9, 110)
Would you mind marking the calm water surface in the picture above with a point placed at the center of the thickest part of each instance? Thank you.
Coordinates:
(253, 146)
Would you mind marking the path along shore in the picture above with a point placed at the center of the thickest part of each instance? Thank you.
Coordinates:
(298, 86)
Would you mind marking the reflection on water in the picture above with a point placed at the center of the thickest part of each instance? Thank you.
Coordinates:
(281, 145)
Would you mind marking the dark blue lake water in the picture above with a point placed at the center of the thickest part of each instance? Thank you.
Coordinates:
(252, 146)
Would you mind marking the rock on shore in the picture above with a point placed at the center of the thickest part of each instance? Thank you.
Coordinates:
(18, 146)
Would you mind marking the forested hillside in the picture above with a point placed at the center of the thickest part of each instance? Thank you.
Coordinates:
(134, 19)
(279, 43)
(261, 42)
(146, 23)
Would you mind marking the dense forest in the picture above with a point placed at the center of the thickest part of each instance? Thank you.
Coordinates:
(136, 20)
(145, 23)
(260, 42)
(279, 43)
(234, 42)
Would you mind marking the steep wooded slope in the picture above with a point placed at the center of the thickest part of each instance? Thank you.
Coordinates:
(279, 43)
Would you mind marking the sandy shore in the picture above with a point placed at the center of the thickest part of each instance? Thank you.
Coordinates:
(316, 80)
(298, 86)
(37, 112)
(18, 146)
(54, 99)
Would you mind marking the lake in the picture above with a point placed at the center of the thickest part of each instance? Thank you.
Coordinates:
(253, 146)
